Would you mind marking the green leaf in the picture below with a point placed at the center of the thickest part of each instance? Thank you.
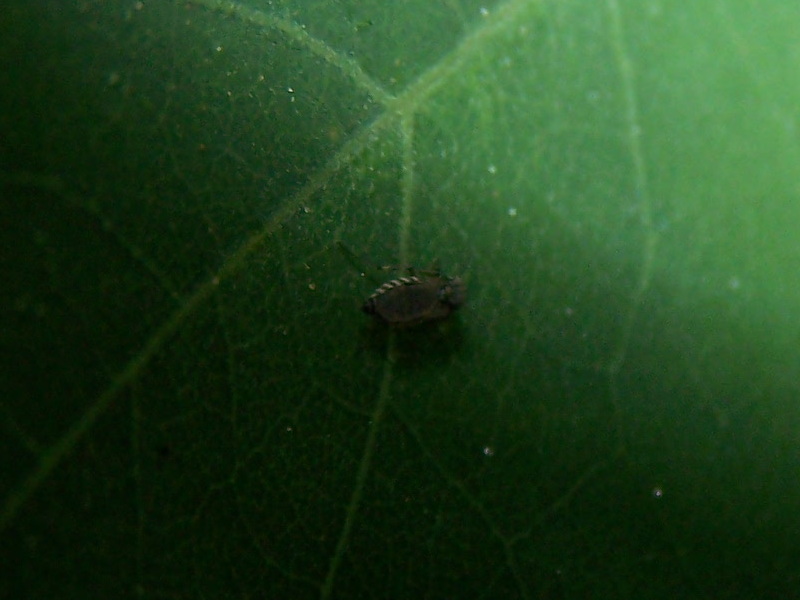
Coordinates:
(192, 404)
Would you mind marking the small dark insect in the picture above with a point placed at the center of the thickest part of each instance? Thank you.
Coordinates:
(409, 301)
(413, 300)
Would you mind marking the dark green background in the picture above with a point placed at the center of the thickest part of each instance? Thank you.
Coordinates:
(192, 404)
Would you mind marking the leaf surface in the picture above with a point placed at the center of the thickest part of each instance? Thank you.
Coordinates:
(193, 405)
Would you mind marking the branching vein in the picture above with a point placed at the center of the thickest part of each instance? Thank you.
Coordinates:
(632, 114)
(300, 36)
(640, 188)
(398, 109)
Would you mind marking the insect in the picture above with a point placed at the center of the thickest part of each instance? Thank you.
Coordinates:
(409, 301)
(415, 299)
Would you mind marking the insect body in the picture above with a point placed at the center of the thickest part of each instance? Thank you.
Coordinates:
(412, 300)
(409, 301)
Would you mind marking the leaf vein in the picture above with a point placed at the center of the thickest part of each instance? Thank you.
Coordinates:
(299, 35)
(404, 105)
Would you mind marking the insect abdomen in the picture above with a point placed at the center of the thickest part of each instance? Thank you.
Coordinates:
(409, 301)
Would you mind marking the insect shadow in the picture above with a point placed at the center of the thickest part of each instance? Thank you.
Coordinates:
(418, 308)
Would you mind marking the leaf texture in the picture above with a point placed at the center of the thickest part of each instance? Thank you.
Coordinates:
(192, 403)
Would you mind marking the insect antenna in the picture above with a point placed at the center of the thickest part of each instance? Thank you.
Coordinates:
(434, 271)
(357, 263)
